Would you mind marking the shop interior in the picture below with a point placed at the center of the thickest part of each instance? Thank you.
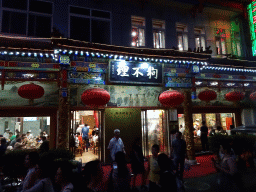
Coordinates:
(93, 119)
(33, 127)
(213, 120)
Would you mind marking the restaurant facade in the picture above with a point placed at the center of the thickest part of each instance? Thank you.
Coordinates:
(134, 68)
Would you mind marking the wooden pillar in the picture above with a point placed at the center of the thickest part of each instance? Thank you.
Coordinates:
(64, 110)
(189, 136)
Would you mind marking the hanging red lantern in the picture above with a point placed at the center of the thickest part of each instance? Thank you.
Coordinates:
(31, 92)
(207, 95)
(253, 96)
(171, 98)
(95, 97)
(235, 96)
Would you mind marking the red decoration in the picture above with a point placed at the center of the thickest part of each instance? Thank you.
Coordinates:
(95, 97)
(235, 96)
(216, 76)
(242, 77)
(253, 96)
(171, 98)
(31, 91)
(207, 95)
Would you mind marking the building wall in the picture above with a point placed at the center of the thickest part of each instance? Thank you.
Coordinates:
(169, 11)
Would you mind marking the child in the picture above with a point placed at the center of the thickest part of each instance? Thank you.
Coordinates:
(154, 170)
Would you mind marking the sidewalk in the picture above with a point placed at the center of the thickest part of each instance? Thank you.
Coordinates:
(209, 182)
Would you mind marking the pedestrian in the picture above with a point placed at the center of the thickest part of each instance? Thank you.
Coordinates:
(121, 177)
(85, 136)
(6, 134)
(137, 162)
(63, 176)
(92, 177)
(154, 170)
(115, 144)
(31, 161)
(167, 177)
(43, 171)
(204, 137)
(3, 148)
(44, 147)
(229, 177)
(212, 132)
(179, 153)
(182, 129)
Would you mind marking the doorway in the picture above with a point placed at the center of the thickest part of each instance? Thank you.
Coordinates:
(154, 131)
(93, 118)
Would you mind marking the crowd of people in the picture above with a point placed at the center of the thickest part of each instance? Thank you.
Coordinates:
(163, 172)
(9, 141)
(84, 140)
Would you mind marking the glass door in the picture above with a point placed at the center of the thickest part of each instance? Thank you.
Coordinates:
(154, 131)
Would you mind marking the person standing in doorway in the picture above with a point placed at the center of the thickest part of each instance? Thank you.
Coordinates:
(115, 144)
(85, 136)
(179, 153)
(204, 137)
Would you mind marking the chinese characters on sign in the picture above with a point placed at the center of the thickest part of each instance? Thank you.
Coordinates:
(65, 60)
(132, 72)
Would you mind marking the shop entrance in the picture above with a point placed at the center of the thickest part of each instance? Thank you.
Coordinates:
(154, 130)
(93, 118)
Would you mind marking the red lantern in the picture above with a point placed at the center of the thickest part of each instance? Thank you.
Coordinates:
(207, 95)
(95, 97)
(31, 92)
(253, 96)
(171, 98)
(235, 96)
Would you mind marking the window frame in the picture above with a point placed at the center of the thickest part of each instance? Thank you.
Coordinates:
(182, 30)
(27, 12)
(139, 27)
(89, 17)
(158, 30)
(200, 35)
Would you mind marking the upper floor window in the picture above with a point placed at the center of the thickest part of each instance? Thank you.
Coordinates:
(27, 17)
(138, 31)
(158, 33)
(90, 25)
(235, 41)
(199, 39)
(220, 40)
(182, 37)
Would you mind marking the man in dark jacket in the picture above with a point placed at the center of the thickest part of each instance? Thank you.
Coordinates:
(204, 137)
(44, 147)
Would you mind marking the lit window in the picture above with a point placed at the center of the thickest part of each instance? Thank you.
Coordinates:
(158, 33)
(138, 31)
(182, 37)
(220, 38)
(199, 39)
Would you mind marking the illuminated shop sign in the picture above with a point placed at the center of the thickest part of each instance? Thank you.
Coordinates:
(251, 8)
(65, 60)
(132, 72)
